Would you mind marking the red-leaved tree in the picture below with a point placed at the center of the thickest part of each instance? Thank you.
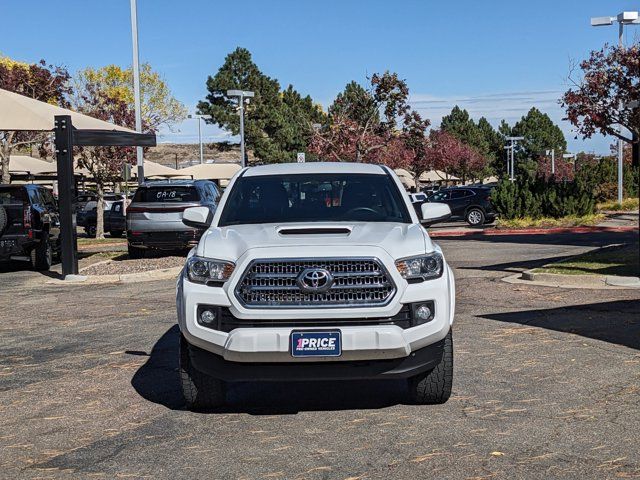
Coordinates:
(105, 163)
(38, 81)
(446, 153)
(377, 127)
(603, 99)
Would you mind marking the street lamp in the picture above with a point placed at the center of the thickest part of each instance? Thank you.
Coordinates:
(511, 158)
(136, 87)
(241, 94)
(623, 18)
(200, 118)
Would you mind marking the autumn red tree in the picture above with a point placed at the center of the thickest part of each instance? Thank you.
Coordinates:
(375, 125)
(39, 81)
(446, 153)
(105, 163)
(562, 169)
(603, 99)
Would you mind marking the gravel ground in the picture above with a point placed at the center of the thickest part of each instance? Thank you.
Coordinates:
(123, 264)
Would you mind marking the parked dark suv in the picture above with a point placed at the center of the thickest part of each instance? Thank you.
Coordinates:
(473, 204)
(29, 225)
(154, 218)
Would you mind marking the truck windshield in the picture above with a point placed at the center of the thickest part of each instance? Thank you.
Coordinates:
(314, 198)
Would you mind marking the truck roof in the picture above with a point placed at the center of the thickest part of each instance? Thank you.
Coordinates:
(314, 167)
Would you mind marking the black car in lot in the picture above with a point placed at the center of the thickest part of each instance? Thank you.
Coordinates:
(29, 225)
(113, 220)
(473, 204)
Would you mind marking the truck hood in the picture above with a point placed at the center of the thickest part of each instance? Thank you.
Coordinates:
(399, 240)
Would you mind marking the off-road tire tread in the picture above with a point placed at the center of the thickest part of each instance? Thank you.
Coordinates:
(435, 386)
(200, 391)
(40, 257)
(3, 219)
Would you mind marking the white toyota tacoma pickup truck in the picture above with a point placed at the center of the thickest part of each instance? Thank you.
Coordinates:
(315, 271)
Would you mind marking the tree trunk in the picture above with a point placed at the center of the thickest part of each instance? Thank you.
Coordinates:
(5, 154)
(100, 209)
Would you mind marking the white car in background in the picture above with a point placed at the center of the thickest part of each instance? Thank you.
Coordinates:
(315, 271)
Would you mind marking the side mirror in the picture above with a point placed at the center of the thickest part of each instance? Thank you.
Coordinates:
(435, 213)
(197, 217)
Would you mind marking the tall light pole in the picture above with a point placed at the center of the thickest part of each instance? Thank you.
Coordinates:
(241, 95)
(623, 18)
(136, 87)
(511, 157)
(200, 118)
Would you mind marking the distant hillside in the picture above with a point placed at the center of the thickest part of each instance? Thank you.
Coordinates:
(184, 153)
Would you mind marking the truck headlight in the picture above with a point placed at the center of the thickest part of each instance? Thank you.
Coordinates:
(204, 270)
(425, 267)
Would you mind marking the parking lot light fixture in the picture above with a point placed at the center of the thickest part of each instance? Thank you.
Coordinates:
(623, 18)
(241, 95)
(200, 118)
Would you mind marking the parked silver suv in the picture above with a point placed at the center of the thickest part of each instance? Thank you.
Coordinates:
(154, 218)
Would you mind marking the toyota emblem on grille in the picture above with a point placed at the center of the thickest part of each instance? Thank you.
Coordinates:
(315, 280)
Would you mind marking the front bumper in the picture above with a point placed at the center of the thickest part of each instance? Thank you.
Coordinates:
(415, 363)
(359, 342)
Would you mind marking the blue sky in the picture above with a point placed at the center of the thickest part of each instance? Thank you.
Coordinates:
(495, 58)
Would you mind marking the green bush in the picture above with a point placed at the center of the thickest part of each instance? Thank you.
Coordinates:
(539, 198)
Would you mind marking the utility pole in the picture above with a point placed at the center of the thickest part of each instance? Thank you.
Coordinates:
(136, 87)
(241, 95)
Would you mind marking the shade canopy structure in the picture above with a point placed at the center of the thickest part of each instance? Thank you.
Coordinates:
(24, 164)
(211, 171)
(406, 177)
(18, 112)
(436, 176)
(153, 169)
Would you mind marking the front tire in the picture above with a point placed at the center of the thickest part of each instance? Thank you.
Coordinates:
(42, 255)
(91, 231)
(434, 387)
(200, 391)
(116, 233)
(475, 217)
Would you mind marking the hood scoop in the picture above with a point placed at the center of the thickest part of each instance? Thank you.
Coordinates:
(314, 231)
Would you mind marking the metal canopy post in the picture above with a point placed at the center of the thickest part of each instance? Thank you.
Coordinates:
(65, 138)
(66, 194)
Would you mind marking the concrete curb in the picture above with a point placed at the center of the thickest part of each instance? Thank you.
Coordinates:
(530, 231)
(148, 276)
(598, 282)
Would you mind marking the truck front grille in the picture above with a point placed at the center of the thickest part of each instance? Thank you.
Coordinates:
(278, 283)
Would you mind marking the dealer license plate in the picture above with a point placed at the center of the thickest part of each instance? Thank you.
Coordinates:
(321, 343)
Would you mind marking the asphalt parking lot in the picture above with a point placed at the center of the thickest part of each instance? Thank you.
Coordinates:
(546, 385)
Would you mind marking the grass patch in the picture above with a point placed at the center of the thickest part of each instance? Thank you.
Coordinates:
(102, 241)
(571, 221)
(627, 205)
(617, 260)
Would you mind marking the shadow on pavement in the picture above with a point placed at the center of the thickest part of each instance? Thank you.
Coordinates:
(614, 322)
(158, 381)
(13, 266)
(595, 239)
